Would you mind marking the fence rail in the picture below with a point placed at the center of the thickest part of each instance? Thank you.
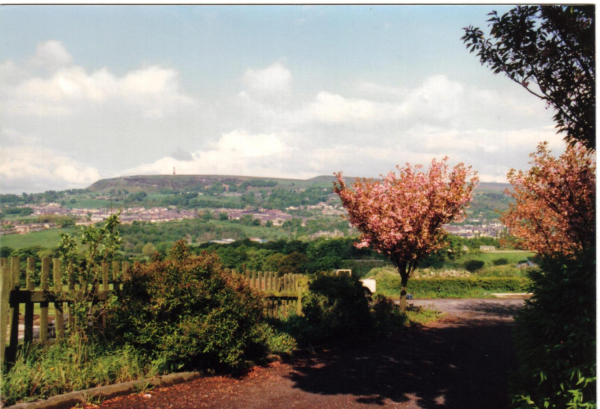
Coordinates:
(280, 293)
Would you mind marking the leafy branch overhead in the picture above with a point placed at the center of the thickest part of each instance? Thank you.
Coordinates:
(549, 50)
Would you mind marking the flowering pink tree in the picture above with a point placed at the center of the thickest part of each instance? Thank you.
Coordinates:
(401, 217)
(555, 202)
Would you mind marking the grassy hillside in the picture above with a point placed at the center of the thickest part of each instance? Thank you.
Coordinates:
(45, 238)
(152, 183)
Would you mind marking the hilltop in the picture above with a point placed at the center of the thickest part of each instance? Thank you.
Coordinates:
(151, 183)
(156, 183)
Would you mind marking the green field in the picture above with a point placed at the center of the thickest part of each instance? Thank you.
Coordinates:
(513, 257)
(45, 238)
(90, 204)
(269, 233)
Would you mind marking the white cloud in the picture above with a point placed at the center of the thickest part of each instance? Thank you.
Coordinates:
(51, 55)
(153, 91)
(235, 153)
(275, 79)
(375, 90)
(40, 169)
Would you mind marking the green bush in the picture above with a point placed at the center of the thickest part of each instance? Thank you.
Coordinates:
(335, 307)
(500, 261)
(473, 265)
(555, 337)
(275, 341)
(187, 312)
(455, 287)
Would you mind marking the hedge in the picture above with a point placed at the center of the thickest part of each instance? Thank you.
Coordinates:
(459, 286)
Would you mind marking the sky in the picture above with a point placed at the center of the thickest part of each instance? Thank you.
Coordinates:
(91, 92)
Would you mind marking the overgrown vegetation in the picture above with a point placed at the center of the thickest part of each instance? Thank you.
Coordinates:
(188, 312)
(69, 365)
(453, 284)
(555, 340)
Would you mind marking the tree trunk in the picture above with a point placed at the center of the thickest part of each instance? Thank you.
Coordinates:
(404, 279)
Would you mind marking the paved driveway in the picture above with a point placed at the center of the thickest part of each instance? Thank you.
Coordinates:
(461, 361)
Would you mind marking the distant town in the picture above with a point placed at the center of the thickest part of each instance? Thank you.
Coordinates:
(471, 228)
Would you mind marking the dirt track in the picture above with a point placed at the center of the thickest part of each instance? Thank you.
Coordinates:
(461, 361)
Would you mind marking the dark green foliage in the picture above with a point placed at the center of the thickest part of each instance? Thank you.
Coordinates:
(552, 47)
(186, 312)
(18, 211)
(293, 263)
(336, 307)
(454, 287)
(500, 261)
(6, 251)
(473, 265)
(387, 314)
(555, 336)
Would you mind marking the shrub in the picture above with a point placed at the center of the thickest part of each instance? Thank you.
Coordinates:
(500, 261)
(334, 307)
(273, 340)
(555, 337)
(186, 312)
(473, 265)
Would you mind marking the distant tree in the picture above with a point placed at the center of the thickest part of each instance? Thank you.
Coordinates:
(223, 216)
(550, 51)
(5, 251)
(555, 202)
(207, 215)
(149, 250)
(401, 217)
(293, 263)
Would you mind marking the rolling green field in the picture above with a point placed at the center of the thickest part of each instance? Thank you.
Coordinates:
(513, 257)
(45, 238)
(90, 203)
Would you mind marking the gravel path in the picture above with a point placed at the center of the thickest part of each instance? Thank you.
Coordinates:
(461, 361)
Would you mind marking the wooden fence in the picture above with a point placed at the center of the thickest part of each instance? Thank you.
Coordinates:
(281, 294)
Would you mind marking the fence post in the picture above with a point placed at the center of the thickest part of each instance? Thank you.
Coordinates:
(13, 340)
(105, 276)
(44, 305)
(70, 305)
(29, 305)
(299, 302)
(115, 275)
(125, 269)
(59, 322)
(4, 306)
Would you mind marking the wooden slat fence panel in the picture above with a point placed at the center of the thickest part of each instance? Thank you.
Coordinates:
(281, 293)
(12, 294)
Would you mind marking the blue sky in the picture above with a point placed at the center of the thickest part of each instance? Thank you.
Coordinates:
(284, 91)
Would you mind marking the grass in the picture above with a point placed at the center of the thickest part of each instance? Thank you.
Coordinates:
(422, 316)
(88, 203)
(69, 365)
(488, 258)
(452, 284)
(271, 233)
(46, 238)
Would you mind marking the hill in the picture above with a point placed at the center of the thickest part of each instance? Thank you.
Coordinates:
(155, 183)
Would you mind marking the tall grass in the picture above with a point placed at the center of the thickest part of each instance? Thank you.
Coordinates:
(70, 365)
